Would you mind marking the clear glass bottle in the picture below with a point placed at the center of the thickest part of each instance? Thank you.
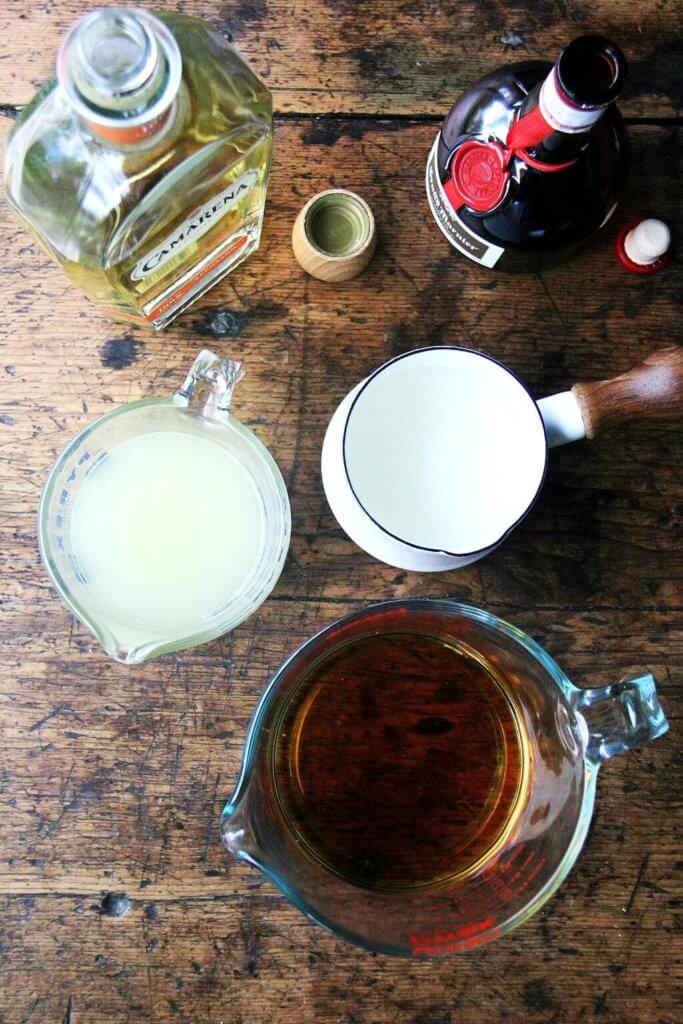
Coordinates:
(142, 168)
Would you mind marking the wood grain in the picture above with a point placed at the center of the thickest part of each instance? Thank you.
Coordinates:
(386, 56)
(251, 957)
(112, 779)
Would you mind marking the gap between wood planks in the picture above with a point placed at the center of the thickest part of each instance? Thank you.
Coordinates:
(252, 895)
(12, 111)
(578, 609)
(291, 115)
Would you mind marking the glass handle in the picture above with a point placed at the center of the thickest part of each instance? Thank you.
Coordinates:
(621, 716)
(209, 385)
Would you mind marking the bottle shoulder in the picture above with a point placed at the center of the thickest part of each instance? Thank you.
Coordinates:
(56, 173)
(74, 189)
(225, 86)
(551, 212)
(489, 106)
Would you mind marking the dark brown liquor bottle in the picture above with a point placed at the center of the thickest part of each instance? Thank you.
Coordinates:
(531, 160)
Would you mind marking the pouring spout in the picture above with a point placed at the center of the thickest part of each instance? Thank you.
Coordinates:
(237, 834)
(127, 648)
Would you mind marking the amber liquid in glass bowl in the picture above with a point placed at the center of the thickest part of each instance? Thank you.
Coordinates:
(400, 760)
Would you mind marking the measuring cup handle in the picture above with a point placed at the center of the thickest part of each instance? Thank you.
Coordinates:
(208, 387)
(653, 390)
(621, 716)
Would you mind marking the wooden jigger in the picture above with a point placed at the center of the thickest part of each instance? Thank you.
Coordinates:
(334, 235)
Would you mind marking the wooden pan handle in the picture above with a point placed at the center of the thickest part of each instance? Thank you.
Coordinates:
(653, 390)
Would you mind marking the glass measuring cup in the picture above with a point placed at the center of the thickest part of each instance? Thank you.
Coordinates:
(199, 412)
(568, 732)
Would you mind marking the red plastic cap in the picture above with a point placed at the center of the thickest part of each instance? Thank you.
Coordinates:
(478, 174)
(644, 246)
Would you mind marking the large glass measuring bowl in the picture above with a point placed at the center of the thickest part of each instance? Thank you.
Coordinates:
(568, 732)
(197, 414)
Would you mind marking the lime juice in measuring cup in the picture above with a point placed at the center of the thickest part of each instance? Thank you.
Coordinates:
(166, 522)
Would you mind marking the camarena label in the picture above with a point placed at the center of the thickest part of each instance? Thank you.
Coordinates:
(196, 225)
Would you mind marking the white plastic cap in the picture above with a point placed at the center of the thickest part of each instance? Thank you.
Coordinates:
(647, 241)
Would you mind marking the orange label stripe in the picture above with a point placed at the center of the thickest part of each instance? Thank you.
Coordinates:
(171, 300)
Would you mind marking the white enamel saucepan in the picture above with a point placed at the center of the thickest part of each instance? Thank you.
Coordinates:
(433, 459)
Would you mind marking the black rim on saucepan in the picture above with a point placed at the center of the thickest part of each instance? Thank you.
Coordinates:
(423, 547)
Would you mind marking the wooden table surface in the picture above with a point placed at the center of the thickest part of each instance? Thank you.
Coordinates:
(112, 779)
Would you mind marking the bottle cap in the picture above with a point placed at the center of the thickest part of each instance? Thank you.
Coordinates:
(644, 246)
(334, 235)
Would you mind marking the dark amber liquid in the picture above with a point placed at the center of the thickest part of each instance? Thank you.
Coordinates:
(399, 760)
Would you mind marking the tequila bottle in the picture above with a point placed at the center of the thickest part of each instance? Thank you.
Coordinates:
(142, 168)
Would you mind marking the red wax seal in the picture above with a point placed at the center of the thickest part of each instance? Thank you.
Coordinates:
(478, 176)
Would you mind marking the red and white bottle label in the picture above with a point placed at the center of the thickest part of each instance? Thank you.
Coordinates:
(459, 234)
(560, 113)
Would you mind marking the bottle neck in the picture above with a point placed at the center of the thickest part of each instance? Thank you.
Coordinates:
(120, 69)
(553, 126)
(541, 127)
(556, 118)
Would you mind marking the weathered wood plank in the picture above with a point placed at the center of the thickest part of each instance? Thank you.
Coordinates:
(254, 959)
(380, 56)
(113, 779)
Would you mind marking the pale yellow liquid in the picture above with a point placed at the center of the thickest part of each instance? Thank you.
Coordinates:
(167, 529)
